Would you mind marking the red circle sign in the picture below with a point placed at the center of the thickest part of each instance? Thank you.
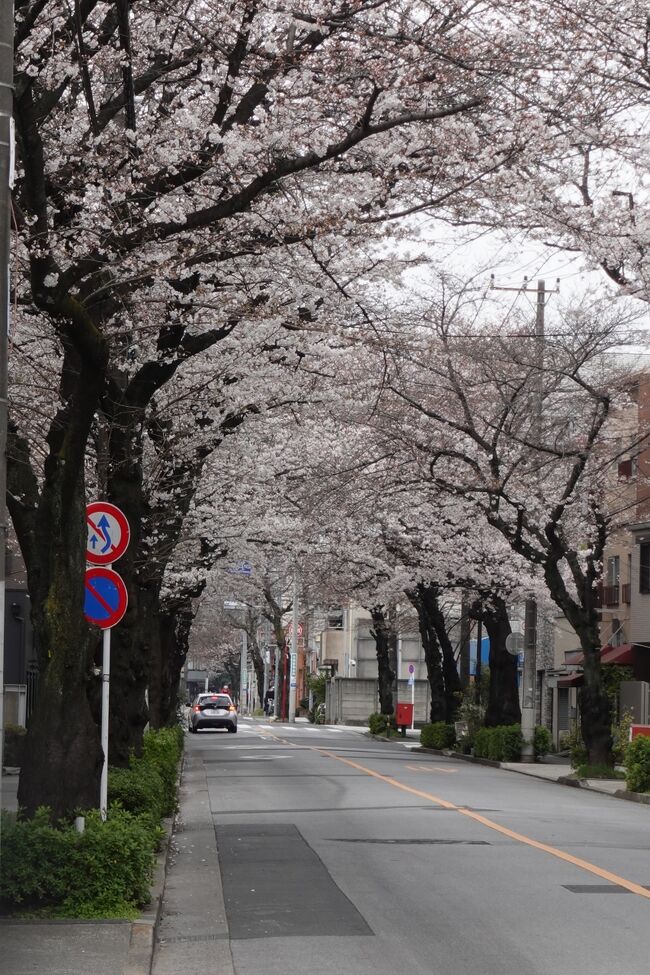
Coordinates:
(108, 533)
(105, 597)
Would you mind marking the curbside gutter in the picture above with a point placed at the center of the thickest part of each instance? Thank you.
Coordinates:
(143, 931)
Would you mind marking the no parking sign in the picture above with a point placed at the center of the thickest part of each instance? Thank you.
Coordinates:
(105, 599)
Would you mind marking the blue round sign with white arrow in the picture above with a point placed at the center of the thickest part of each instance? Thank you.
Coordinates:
(108, 533)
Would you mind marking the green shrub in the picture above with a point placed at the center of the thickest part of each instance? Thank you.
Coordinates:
(105, 871)
(139, 789)
(501, 744)
(542, 742)
(438, 735)
(513, 741)
(14, 743)
(379, 724)
(637, 763)
(621, 736)
(162, 749)
(576, 746)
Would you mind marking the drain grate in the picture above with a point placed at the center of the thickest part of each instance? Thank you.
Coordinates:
(193, 939)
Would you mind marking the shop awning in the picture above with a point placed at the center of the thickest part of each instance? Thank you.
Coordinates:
(622, 655)
(571, 680)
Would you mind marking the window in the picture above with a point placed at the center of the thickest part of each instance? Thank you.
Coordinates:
(644, 567)
(613, 570)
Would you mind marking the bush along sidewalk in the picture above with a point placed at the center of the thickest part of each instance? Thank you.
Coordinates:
(500, 744)
(52, 870)
(637, 765)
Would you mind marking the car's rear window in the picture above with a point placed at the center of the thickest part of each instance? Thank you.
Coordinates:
(211, 702)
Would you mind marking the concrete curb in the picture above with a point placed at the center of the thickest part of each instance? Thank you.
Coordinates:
(143, 931)
(642, 797)
(639, 797)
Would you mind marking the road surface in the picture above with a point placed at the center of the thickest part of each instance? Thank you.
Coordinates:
(340, 854)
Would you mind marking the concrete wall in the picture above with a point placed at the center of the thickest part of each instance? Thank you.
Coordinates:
(351, 700)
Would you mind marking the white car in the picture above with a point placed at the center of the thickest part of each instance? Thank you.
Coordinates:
(212, 710)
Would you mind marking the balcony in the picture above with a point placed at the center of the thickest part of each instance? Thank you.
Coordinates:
(611, 596)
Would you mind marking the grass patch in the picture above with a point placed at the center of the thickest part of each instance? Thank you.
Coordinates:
(597, 772)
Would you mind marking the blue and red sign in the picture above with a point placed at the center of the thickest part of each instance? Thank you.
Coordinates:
(108, 533)
(105, 598)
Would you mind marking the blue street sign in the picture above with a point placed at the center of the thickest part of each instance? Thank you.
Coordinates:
(241, 569)
(105, 597)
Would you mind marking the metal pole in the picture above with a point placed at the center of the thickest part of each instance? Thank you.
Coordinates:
(278, 680)
(243, 671)
(478, 669)
(529, 677)
(106, 677)
(6, 177)
(293, 670)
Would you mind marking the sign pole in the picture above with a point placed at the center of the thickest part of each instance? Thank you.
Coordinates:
(413, 703)
(293, 670)
(105, 602)
(106, 676)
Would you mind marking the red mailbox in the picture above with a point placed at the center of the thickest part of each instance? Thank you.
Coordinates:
(636, 731)
(404, 715)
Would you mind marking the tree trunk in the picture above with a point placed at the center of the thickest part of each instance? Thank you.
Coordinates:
(432, 653)
(63, 757)
(385, 674)
(595, 706)
(453, 688)
(503, 702)
(134, 639)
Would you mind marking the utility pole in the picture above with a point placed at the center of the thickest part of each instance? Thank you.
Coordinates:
(243, 669)
(6, 181)
(478, 671)
(529, 675)
(293, 669)
(463, 650)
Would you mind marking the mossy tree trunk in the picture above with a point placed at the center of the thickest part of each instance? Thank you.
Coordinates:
(63, 758)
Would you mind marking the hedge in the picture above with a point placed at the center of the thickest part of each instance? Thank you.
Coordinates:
(637, 765)
(54, 871)
(50, 870)
(438, 735)
(501, 744)
(379, 723)
(542, 741)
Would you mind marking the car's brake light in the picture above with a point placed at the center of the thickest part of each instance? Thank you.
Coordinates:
(196, 707)
(232, 707)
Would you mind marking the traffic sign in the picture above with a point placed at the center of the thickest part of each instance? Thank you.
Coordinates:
(411, 668)
(108, 533)
(242, 569)
(105, 599)
(514, 643)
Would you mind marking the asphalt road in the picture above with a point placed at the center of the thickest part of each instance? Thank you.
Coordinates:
(339, 854)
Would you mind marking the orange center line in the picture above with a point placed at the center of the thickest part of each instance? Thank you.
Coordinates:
(553, 851)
